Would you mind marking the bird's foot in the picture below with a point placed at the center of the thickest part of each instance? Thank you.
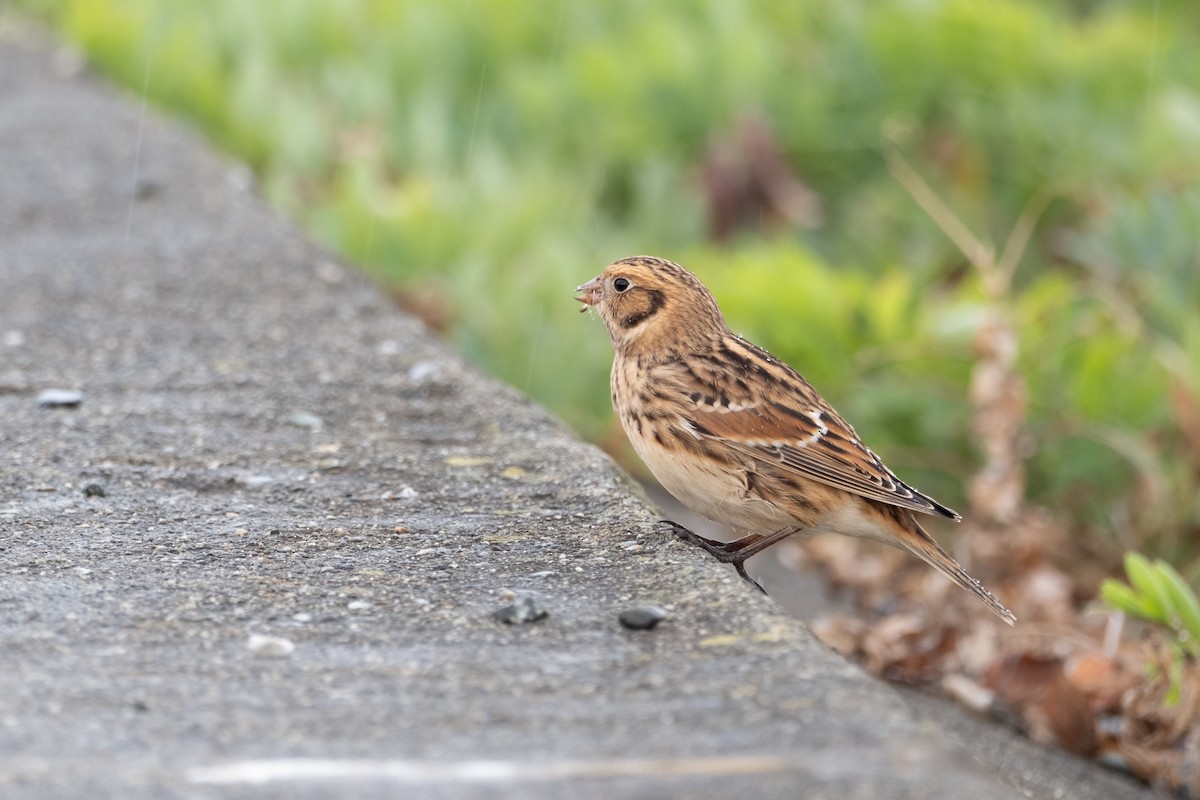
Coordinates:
(725, 552)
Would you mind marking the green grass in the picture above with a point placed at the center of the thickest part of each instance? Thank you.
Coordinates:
(500, 153)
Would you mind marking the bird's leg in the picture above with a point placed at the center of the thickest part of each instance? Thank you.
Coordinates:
(735, 552)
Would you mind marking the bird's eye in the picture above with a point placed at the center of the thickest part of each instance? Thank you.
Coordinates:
(621, 284)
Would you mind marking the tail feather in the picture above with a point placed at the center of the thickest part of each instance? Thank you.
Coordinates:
(921, 544)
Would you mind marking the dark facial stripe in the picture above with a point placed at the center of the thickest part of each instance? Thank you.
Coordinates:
(657, 301)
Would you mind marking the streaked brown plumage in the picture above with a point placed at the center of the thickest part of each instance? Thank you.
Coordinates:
(739, 436)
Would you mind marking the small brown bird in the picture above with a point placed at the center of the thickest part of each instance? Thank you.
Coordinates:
(740, 437)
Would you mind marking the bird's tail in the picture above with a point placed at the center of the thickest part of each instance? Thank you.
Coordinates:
(916, 540)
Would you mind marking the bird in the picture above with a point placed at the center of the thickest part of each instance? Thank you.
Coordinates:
(740, 437)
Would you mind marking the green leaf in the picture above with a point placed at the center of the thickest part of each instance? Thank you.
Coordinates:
(1125, 599)
(1183, 600)
(1145, 579)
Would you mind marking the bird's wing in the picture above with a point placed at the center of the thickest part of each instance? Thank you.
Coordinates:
(764, 409)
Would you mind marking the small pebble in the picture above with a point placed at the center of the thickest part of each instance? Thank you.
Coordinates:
(330, 272)
(255, 481)
(524, 608)
(642, 618)
(303, 419)
(422, 370)
(270, 646)
(95, 489)
(358, 605)
(59, 398)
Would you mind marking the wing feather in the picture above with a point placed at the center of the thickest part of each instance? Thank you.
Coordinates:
(774, 415)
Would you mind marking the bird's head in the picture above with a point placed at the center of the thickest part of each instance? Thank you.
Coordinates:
(649, 303)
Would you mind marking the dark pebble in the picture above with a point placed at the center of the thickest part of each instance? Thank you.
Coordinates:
(642, 618)
(59, 398)
(146, 188)
(95, 489)
(523, 609)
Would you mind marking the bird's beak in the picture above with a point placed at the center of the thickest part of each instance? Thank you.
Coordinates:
(591, 293)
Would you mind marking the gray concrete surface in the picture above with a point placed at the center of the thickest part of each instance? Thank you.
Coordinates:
(207, 337)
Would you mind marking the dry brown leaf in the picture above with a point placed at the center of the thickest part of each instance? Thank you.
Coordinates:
(1153, 721)
(1099, 679)
(978, 645)
(840, 632)
(1045, 594)
(1033, 538)
(1052, 709)
(1157, 766)
(905, 648)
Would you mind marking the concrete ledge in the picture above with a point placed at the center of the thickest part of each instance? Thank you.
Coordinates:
(266, 447)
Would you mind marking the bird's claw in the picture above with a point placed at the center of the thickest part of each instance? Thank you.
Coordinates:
(718, 550)
(741, 570)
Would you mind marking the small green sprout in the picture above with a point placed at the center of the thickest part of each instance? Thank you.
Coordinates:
(1157, 593)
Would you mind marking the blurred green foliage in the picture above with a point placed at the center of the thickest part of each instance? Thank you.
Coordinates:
(501, 153)
(1157, 593)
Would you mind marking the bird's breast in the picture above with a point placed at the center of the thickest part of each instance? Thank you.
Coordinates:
(711, 483)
